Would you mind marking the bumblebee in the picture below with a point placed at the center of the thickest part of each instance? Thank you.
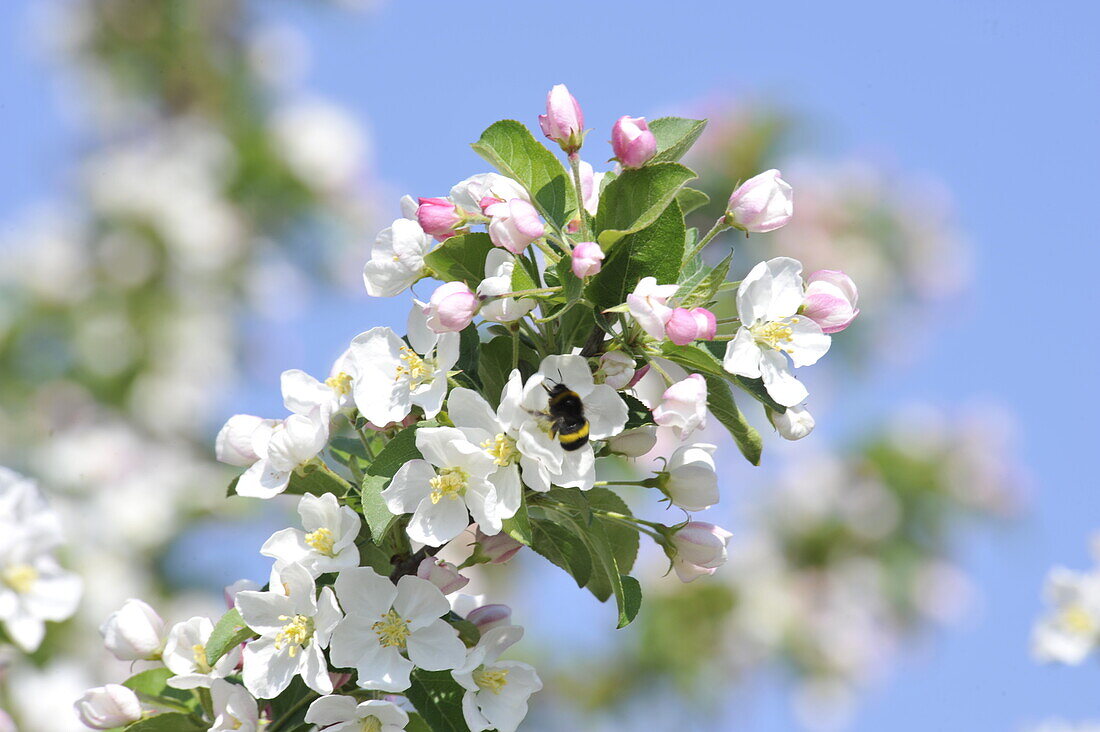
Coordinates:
(567, 421)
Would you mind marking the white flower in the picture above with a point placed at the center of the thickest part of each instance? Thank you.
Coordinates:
(134, 632)
(234, 708)
(499, 266)
(33, 586)
(683, 406)
(392, 376)
(1071, 631)
(793, 424)
(106, 707)
(496, 691)
(767, 304)
(438, 490)
(616, 369)
(242, 439)
(343, 714)
(634, 443)
(25, 508)
(185, 655)
(469, 193)
(648, 306)
(328, 542)
(692, 482)
(296, 440)
(303, 394)
(700, 549)
(294, 627)
(384, 623)
(603, 407)
(396, 259)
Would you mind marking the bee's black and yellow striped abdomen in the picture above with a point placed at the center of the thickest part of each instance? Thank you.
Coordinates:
(568, 422)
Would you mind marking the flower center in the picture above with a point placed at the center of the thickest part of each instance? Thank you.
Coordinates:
(198, 653)
(296, 633)
(450, 483)
(502, 449)
(1078, 621)
(392, 629)
(341, 383)
(321, 541)
(19, 577)
(370, 724)
(417, 369)
(490, 680)
(774, 334)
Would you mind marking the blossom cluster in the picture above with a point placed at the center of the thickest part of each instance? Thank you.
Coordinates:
(576, 327)
(1069, 631)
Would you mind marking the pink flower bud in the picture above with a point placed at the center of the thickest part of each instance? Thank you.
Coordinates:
(762, 203)
(830, 300)
(439, 217)
(587, 259)
(683, 406)
(514, 224)
(105, 707)
(564, 121)
(499, 548)
(647, 305)
(134, 632)
(632, 142)
(488, 617)
(451, 307)
(700, 550)
(442, 574)
(685, 326)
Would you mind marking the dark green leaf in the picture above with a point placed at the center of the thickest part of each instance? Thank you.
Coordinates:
(438, 699)
(637, 414)
(636, 199)
(561, 547)
(695, 359)
(494, 367)
(462, 258)
(572, 286)
(675, 136)
(721, 404)
(510, 147)
(655, 251)
(702, 291)
(624, 540)
(229, 633)
(469, 346)
(417, 724)
(398, 451)
(691, 199)
(371, 555)
(167, 722)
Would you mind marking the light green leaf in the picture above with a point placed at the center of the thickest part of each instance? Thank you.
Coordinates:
(702, 291)
(675, 136)
(655, 251)
(377, 514)
(398, 451)
(624, 540)
(461, 257)
(510, 147)
(229, 633)
(721, 404)
(519, 526)
(154, 683)
(521, 276)
(695, 359)
(167, 722)
(438, 699)
(636, 199)
(691, 199)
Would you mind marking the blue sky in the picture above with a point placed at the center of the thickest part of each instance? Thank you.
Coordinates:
(997, 98)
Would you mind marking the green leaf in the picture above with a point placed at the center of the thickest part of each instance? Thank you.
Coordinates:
(371, 555)
(469, 346)
(438, 699)
(510, 147)
(417, 724)
(721, 404)
(624, 540)
(636, 199)
(167, 722)
(691, 199)
(574, 328)
(154, 683)
(675, 136)
(494, 367)
(522, 279)
(702, 291)
(753, 387)
(462, 258)
(377, 514)
(313, 477)
(561, 547)
(637, 414)
(655, 251)
(695, 359)
(572, 286)
(230, 632)
(398, 451)
(519, 526)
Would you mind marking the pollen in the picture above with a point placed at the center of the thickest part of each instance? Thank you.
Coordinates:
(321, 541)
(198, 654)
(341, 383)
(296, 633)
(414, 367)
(450, 483)
(490, 680)
(773, 335)
(19, 577)
(392, 630)
(502, 449)
(1078, 621)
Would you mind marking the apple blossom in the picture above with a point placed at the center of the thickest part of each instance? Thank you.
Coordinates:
(767, 304)
(293, 442)
(685, 326)
(499, 266)
(648, 306)
(305, 395)
(134, 632)
(496, 549)
(793, 424)
(564, 121)
(634, 443)
(616, 369)
(699, 549)
(633, 142)
(326, 542)
(587, 259)
(397, 259)
(486, 187)
(514, 224)
(439, 217)
(234, 708)
(1071, 631)
(185, 655)
(294, 626)
(690, 479)
(496, 691)
(760, 204)
(590, 187)
(33, 586)
(241, 440)
(107, 707)
(487, 617)
(345, 714)
(388, 630)
(831, 300)
(451, 307)
(683, 406)
(442, 574)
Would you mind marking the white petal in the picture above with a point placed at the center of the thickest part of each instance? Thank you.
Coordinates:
(330, 710)
(384, 669)
(787, 288)
(362, 591)
(287, 546)
(261, 610)
(606, 412)
(781, 384)
(808, 343)
(754, 294)
(410, 485)
(435, 524)
(467, 408)
(267, 672)
(481, 498)
(509, 490)
(436, 647)
(422, 338)
(262, 480)
(743, 355)
(434, 444)
(314, 669)
(570, 370)
(419, 601)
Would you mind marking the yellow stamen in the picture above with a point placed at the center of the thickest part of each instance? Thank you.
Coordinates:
(502, 449)
(1078, 621)
(450, 483)
(296, 633)
(321, 541)
(341, 383)
(413, 366)
(773, 334)
(392, 629)
(19, 577)
(493, 680)
(370, 724)
(198, 652)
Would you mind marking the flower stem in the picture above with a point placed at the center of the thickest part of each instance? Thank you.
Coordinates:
(281, 723)
(575, 164)
(719, 226)
(528, 293)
